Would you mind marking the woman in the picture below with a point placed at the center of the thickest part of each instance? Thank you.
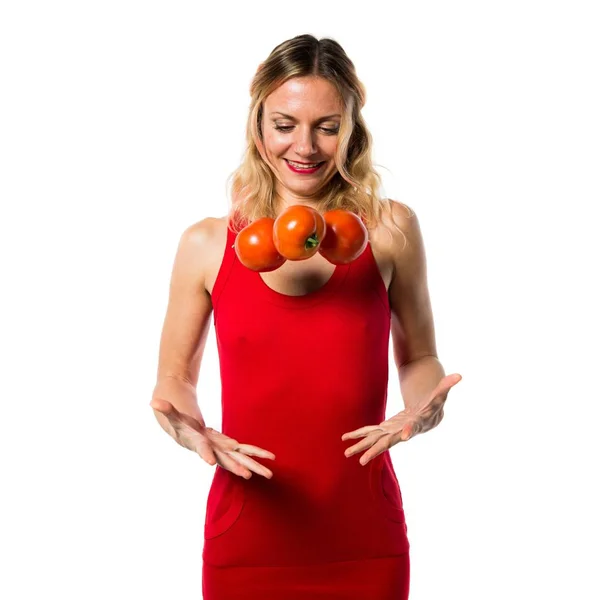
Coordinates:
(303, 354)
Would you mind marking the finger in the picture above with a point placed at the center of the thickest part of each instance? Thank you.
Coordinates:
(448, 382)
(161, 405)
(381, 446)
(205, 451)
(229, 444)
(364, 444)
(235, 450)
(444, 385)
(254, 451)
(226, 462)
(251, 464)
(361, 432)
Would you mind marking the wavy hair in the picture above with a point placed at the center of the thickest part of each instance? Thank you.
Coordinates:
(355, 186)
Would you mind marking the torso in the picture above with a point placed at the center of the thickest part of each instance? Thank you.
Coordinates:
(297, 278)
(298, 368)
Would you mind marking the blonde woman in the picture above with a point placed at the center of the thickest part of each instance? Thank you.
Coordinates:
(304, 503)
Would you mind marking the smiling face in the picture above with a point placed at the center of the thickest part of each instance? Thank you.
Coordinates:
(300, 125)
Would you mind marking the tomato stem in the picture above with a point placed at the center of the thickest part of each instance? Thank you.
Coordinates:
(311, 242)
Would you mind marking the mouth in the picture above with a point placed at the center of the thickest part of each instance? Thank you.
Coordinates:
(306, 168)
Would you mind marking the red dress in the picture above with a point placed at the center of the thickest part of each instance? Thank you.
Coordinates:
(297, 372)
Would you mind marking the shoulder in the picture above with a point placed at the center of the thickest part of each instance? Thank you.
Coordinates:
(203, 245)
(205, 232)
(397, 236)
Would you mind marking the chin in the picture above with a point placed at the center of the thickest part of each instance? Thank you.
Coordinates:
(305, 185)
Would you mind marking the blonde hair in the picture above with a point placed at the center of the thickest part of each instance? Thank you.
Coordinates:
(355, 185)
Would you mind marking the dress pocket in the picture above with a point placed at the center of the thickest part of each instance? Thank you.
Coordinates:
(385, 488)
(224, 503)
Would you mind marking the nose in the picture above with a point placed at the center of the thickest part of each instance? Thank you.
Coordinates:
(304, 144)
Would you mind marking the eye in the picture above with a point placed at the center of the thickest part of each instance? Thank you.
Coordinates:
(287, 128)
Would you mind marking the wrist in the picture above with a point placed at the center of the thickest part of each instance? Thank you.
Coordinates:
(418, 379)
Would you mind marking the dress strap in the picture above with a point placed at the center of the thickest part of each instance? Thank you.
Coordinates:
(225, 268)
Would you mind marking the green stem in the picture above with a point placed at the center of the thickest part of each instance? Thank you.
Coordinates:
(311, 242)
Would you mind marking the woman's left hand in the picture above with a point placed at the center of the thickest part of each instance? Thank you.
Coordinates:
(422, 417)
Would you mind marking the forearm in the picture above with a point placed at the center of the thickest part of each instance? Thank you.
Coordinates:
(418, 379)
(181, 394)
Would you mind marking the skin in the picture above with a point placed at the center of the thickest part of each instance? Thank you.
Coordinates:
(307, 138)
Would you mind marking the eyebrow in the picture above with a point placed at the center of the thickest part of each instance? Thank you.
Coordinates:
(293, 118)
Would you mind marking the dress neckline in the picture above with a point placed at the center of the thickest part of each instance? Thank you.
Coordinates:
(335, 280)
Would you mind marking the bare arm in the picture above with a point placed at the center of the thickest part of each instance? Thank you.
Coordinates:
(423, 383)
(413, 334)
(182, 343)
(186, 324)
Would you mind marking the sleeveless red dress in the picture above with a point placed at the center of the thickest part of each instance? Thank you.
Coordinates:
(297, 372)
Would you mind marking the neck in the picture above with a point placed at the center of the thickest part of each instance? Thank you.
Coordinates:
(281, 203)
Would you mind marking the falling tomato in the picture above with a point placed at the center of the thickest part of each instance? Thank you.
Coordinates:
(346, 237)
(255, 248)
(298, 232)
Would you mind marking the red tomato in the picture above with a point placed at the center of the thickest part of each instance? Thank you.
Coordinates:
(298, 232)
(255, 248)
(346, 237)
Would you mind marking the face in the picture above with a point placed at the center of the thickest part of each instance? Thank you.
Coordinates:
(300, 125)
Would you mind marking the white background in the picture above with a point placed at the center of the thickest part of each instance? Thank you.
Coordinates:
(119, 124)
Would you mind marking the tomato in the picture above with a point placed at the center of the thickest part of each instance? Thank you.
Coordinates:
(255, 248)
(346, 237)
(298, 232)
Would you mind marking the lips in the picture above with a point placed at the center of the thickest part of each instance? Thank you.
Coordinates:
(296, 162)
(304, 171)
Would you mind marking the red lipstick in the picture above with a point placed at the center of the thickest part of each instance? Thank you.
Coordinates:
(304, 171)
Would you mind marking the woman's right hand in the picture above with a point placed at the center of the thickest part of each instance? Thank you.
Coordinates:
(213, 446)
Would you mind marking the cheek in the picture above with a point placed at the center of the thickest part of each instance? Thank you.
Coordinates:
(275, 144)
(330, 146)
